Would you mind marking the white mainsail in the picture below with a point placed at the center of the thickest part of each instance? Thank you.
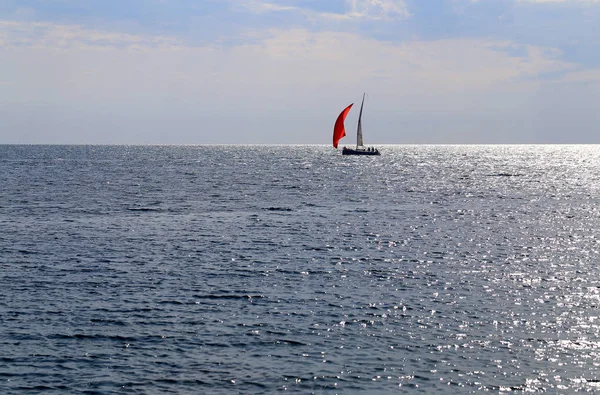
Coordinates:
(359, 138)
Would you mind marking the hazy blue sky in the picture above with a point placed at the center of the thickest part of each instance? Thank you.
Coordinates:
(252, 71)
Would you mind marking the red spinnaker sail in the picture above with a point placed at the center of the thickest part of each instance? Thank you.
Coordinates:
(338, 130)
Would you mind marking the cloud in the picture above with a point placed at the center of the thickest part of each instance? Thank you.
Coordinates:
(354, 9)
(432, 66)
(50, 35)
(261, 7)
(72, 60)
(378, 9)
(88, 80)
(582, 76)
(560, 1)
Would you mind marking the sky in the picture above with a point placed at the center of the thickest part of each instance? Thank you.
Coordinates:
(280, 71)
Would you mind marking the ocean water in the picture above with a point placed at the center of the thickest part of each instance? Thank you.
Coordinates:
(264, 269)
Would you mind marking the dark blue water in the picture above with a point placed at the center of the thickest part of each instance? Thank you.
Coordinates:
(259, 269)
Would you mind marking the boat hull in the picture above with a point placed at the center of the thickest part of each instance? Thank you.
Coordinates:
(350, 151)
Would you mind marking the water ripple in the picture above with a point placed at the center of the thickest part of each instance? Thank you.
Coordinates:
(249, 269)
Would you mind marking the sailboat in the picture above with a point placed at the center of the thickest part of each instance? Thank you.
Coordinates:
(339, 131)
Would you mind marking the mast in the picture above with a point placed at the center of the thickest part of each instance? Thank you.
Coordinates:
(359, 138)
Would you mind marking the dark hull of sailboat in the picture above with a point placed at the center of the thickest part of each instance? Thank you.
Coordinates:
(350, 151)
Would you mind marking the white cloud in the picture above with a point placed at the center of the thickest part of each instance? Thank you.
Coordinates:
(158, 82)
(559, 1)
(378, 9)
(75, 59)
(50, 35)
(582, 76)
(260, 7)
(355, 9)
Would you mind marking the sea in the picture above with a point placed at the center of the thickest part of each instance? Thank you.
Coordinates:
(226, 269)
